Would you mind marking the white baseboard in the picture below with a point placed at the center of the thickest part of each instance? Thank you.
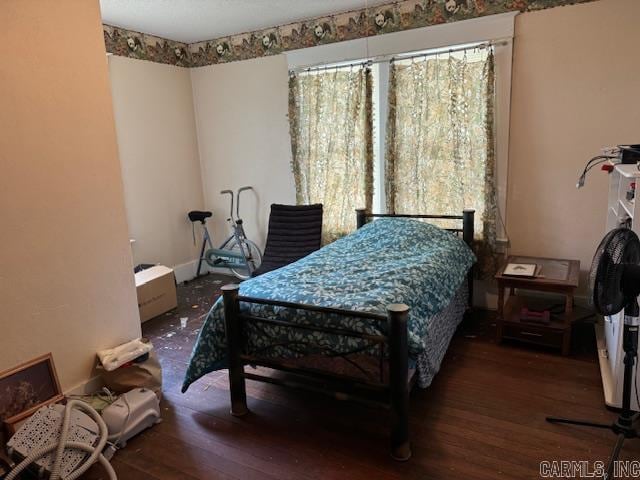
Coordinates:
(87, 387)
(187, 271)
(611, 395)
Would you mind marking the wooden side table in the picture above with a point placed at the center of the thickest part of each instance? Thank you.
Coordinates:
(556, 276)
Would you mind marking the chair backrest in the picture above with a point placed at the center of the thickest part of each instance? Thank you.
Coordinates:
(294, 232)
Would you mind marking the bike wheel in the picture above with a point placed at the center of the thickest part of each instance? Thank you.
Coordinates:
(254, 260)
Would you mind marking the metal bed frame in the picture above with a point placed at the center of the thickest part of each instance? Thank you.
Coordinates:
(391, 345)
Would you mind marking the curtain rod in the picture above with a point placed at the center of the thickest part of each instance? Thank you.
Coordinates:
(395, 57)
(330, 66)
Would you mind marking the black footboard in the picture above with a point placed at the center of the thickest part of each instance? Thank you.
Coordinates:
(393, 394)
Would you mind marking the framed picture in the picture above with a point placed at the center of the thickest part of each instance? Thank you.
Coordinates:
(26, 388)
(520, 269)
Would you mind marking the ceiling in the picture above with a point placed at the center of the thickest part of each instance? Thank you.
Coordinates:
(192, 21)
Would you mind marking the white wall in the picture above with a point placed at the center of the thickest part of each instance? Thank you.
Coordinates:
(243, 136)
(574, 91)
(156, 130)
(66, 283)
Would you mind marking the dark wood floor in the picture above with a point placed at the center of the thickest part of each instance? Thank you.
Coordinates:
(483, 417)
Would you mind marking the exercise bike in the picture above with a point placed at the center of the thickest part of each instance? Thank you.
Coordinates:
(237, 252)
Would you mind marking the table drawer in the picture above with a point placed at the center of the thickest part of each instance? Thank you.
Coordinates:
(531, 334)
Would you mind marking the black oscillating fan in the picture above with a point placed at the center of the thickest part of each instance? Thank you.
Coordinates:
(615, 285)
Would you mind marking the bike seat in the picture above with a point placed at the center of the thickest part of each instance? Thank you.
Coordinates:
(198, 216)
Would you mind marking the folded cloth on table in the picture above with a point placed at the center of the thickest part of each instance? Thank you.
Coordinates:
(113, 358)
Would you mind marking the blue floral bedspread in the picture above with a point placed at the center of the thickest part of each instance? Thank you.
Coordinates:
(390, 260)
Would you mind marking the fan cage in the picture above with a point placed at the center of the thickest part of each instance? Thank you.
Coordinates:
(619, 248)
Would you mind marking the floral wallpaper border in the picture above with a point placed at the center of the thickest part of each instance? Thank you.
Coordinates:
(391, 17)
(127, 43)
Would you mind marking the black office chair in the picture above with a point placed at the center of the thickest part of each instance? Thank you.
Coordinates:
(294, 232)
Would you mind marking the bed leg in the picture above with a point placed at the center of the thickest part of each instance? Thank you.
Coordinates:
(361, 217)
(468, 234)
(397, 315)
(233, 327)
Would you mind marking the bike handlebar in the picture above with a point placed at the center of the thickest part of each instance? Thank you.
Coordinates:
(230, 192)
(240, 190)
(223, 192)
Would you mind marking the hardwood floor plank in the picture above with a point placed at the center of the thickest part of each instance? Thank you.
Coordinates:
(122, 469)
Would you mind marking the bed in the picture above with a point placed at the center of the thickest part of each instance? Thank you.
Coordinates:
(363, 318)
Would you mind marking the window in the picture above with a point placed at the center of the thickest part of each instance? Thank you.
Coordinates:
(440, 136)
(331, 137)
(496, 29)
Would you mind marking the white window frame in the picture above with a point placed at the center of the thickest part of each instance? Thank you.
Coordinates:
(493, 28)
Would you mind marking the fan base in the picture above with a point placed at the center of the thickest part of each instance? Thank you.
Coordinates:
(623, 427)
(617, 427)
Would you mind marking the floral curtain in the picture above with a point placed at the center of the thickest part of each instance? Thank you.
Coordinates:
(332, 146)
(440, 141)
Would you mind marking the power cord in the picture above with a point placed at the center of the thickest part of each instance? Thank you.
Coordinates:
(598, 159)
(636, 382)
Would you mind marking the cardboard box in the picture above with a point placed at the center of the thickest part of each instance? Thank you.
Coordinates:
(156, 288)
